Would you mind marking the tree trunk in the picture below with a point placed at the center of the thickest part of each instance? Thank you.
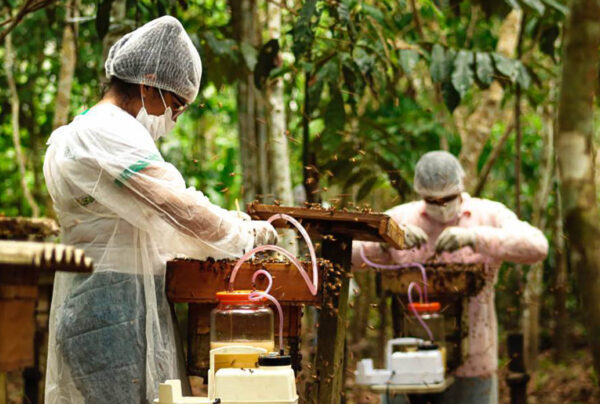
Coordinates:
(14, 103)
(560, 336)
(533, 288)
(489, 163)
(309, 158)
(281, 178)
(117, 28)
(264, 146)
(476, 128)
(68, 59)
(575, 150)
(243, 15)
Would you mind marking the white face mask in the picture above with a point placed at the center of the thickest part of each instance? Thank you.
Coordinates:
(158, 126)
(444, 213)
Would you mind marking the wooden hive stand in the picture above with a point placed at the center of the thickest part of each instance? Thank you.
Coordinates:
(26, 272)
(196, 282)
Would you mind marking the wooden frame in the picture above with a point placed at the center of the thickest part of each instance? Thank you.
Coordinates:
(356, 225)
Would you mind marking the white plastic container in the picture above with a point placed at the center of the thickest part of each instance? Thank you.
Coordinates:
(273, 385)
(270, 381)
(367, 375)
(169, 392)
(403, 368)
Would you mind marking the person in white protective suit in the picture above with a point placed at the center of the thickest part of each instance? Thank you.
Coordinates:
(111, 332)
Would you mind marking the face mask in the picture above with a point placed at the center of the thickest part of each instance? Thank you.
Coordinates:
(158, 126)
(444, 213)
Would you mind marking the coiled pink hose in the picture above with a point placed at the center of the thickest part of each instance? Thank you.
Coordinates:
(397, 266)
(422, 293)
(258, 295)
(417, 315)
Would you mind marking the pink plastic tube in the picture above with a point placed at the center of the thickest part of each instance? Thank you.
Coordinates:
(417, 315)
(312, 285)
(258, 295)
(398, 266)
(311, 249)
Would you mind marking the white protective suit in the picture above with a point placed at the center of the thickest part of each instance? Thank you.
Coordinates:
(111, 334)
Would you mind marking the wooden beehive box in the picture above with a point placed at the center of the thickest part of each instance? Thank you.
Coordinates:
(196, 282)
(450, 284)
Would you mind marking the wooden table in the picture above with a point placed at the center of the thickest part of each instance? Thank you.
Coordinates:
(22, 264)
(435, 388)
(192, 282)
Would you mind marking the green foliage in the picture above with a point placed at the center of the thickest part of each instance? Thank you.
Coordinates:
(505, 66)
(303, 30)
(462, 76)
(536, 5)
(439, 68)
(408, 59)
(485, 70)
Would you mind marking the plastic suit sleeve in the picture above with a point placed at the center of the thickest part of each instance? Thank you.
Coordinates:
(190, 212)
(511, 239)
(150, 194)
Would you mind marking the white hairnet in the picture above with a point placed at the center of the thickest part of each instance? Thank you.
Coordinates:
(438, 174)
(158, 54)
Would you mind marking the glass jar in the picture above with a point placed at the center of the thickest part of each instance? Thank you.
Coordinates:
(430, 314)
(239, 321)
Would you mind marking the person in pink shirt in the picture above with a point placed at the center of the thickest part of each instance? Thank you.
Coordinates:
(458, 228)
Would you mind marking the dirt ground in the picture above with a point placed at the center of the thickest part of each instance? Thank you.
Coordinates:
(571, 382)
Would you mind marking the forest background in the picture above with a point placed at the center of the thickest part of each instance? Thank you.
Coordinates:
(334, 101)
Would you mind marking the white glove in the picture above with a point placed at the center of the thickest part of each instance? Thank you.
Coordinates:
(238, 214)
(414, 236)
(264, 233)
(455, 238)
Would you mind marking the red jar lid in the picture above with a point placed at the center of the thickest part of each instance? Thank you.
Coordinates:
(238, 297)
(430, 307)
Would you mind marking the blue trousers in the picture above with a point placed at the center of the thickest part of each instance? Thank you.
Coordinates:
(102, 337)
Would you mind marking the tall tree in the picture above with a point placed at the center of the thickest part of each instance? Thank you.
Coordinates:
(116, 27)
(15, 107)
(575, 152)
(68, 58)
(561, 343)
(278, 141)
(279, 156)
(475, 129)
(534, 286)
(244, 21)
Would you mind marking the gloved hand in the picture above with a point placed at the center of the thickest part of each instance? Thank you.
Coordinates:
(264, 233)
(414, 236)
(455, 238)
(238, 214)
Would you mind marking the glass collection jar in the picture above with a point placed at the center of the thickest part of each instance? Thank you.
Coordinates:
(430, 314)
(239, 321)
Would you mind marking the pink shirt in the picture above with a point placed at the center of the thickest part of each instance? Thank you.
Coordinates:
(501, 236)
